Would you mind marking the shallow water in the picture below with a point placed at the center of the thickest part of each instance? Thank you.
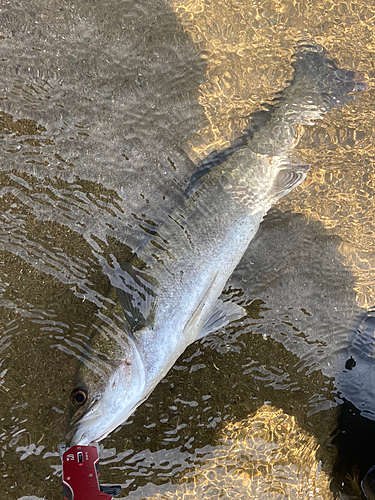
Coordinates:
(105, 110)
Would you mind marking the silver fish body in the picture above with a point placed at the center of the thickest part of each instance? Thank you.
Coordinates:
(170, 291)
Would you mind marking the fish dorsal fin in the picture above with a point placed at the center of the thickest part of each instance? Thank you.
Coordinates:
(136, 293)
(287, 179)
(222, 314)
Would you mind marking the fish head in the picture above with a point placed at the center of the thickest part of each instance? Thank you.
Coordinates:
(109, 384)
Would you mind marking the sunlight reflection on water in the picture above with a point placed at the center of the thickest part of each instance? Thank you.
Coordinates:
(105, 110)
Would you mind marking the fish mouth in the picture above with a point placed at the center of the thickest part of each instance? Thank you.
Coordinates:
(75, 437)
(70, 434)
(90, 416)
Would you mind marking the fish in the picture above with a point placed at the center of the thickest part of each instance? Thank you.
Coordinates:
(168, 294)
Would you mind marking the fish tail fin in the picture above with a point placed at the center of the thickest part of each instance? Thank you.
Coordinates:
(318, 85)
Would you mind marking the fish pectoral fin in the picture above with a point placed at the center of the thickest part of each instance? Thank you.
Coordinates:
(222, 314)
(136, 293)
(287, 179)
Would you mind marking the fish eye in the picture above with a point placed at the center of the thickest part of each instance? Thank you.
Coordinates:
(79, 397)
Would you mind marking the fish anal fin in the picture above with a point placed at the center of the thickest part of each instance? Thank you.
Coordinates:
(222, 314)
